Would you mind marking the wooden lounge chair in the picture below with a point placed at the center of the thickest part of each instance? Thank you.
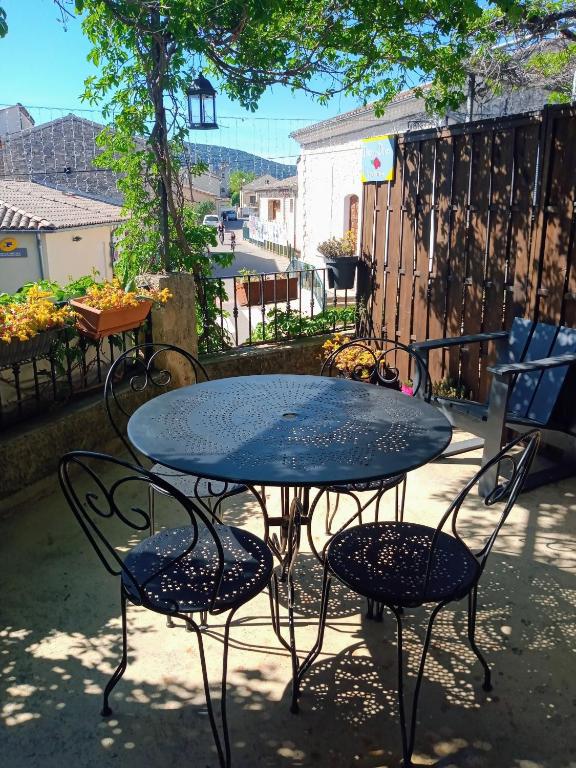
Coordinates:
(531, 385)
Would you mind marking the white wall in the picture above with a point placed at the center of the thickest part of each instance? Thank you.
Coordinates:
(327, 176)
(14, 119)
(285, 218)
(66, 259)
(17, 270)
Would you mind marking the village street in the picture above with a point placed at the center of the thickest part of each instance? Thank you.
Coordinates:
(248, 256)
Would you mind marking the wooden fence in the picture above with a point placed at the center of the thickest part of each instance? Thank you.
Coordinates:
(477, 228)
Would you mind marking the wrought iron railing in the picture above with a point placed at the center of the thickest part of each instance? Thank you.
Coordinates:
(251, 309)
(40, 377)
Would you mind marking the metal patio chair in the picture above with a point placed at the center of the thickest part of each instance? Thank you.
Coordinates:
(190, 570)
(373, 360)
(400, 565)
(142, 366)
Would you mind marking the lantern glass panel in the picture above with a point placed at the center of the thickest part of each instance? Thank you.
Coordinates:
(209, 109)
(194, 109)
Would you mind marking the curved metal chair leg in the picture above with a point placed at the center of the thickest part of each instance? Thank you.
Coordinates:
(293, 653)
(378, 499)
(400, 493)
(275, 611)
(317, 647)
(106, 710)
(409, 732)
(403, 499)
(472, 601)
(151, 510)
(224, 753)
(369, 608)
(330, 515)
(223, 696)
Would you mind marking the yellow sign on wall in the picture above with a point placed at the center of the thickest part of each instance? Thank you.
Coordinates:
(378, 158)
(8, 244)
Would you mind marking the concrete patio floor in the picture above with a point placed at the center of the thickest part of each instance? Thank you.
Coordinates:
(60, 641)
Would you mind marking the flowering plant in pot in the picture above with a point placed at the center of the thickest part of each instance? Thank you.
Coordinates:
(29, 324)
(356, 359)
(341, 259)
(107, 308)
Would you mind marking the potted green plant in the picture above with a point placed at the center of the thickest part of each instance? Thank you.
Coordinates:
(107, 308)
(254, 290)
(341, 260)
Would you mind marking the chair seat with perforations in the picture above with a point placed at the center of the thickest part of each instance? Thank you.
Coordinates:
(186, 582)
(194, 486)
(387, 562)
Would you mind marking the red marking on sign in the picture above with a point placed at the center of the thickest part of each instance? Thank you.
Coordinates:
(376, 163)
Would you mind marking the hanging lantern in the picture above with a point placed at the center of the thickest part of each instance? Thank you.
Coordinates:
(201, 105)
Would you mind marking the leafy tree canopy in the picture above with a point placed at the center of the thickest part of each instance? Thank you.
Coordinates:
(3, 25)
(367, 49)
(238, 179)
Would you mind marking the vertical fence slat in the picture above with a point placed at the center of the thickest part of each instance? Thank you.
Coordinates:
(424, 248)
(558, 180)
(440, 272)
(518, 258)
(408, 224)
(497, 243)
(378, 247)
(394, 244)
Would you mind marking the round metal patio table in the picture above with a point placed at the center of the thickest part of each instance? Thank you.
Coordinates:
(295, 432)
(290, 431)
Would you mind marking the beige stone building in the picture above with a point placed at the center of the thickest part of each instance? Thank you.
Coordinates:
(53, 235)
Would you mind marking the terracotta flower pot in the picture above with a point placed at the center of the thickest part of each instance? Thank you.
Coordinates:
(17, 351)
(279, 290)
(98, 323)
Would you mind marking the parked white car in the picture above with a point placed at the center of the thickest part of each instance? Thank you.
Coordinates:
(211, 220)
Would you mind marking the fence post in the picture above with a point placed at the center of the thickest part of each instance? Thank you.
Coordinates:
(175, 323)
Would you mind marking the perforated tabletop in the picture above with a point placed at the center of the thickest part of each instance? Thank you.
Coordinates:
(289, 430)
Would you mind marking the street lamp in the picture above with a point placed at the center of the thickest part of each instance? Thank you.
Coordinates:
(201, 105)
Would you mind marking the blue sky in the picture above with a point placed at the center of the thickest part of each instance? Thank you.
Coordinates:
(47, 66)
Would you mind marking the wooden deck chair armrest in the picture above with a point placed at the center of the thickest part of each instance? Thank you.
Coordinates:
(509, 369)
(456, 341)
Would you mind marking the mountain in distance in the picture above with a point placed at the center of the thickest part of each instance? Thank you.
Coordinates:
(225, 158)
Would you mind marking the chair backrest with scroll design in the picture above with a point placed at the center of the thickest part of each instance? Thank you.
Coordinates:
(378, 361)
(142, 369)
(513, 462)
(107, 495)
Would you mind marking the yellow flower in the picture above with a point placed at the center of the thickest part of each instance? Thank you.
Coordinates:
(23, 320)
(355, 359)
(111, 295)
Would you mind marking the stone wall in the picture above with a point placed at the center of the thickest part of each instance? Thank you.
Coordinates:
(302, 356)
(31, 452)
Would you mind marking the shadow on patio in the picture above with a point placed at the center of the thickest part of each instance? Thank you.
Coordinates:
(61, 637)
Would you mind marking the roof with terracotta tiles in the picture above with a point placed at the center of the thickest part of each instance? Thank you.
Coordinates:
(28, 206)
